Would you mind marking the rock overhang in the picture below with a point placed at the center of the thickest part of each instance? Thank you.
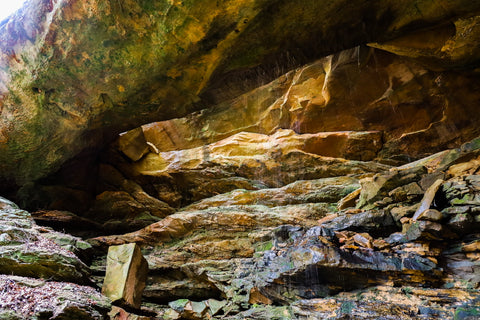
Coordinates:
(75, 73)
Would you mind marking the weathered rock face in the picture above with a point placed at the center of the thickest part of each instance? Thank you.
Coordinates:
(131, 196)
(272, 161)
(29, 250)
(290, 246)
(262, 191)
(418, 110)
(75, 73)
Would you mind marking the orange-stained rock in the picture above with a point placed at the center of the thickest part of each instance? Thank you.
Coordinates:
(274, 160)
(431, 215)
(246, 160)
(350, 200)
(133, 144)
(383, 302)
(256, 297)
(118, 313)
(447, 46)
(464, 168)
(427, 199)
(357, 145)
(222, 220)
(364, 240)
(355, 90)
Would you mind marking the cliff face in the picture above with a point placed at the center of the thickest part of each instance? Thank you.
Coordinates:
(278, 160)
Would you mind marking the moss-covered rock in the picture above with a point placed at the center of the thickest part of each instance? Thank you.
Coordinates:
(25, 250)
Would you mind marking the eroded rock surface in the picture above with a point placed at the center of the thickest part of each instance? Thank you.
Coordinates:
(85, 71)
(306, 161)
(41, 276)
(359, 89)
(291, 246)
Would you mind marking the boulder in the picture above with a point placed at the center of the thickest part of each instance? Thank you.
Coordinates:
(125, 276)
(133, 144)
(427, 199)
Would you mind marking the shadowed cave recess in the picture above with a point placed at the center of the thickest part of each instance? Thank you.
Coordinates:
(270, 159)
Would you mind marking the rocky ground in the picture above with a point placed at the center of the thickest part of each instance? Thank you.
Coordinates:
(42, 274)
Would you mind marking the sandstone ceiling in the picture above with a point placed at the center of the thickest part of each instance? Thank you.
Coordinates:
(73, 73)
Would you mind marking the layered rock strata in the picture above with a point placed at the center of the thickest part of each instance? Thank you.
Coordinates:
(290, 253)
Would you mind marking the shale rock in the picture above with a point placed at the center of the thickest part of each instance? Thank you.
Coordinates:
(315, 269)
